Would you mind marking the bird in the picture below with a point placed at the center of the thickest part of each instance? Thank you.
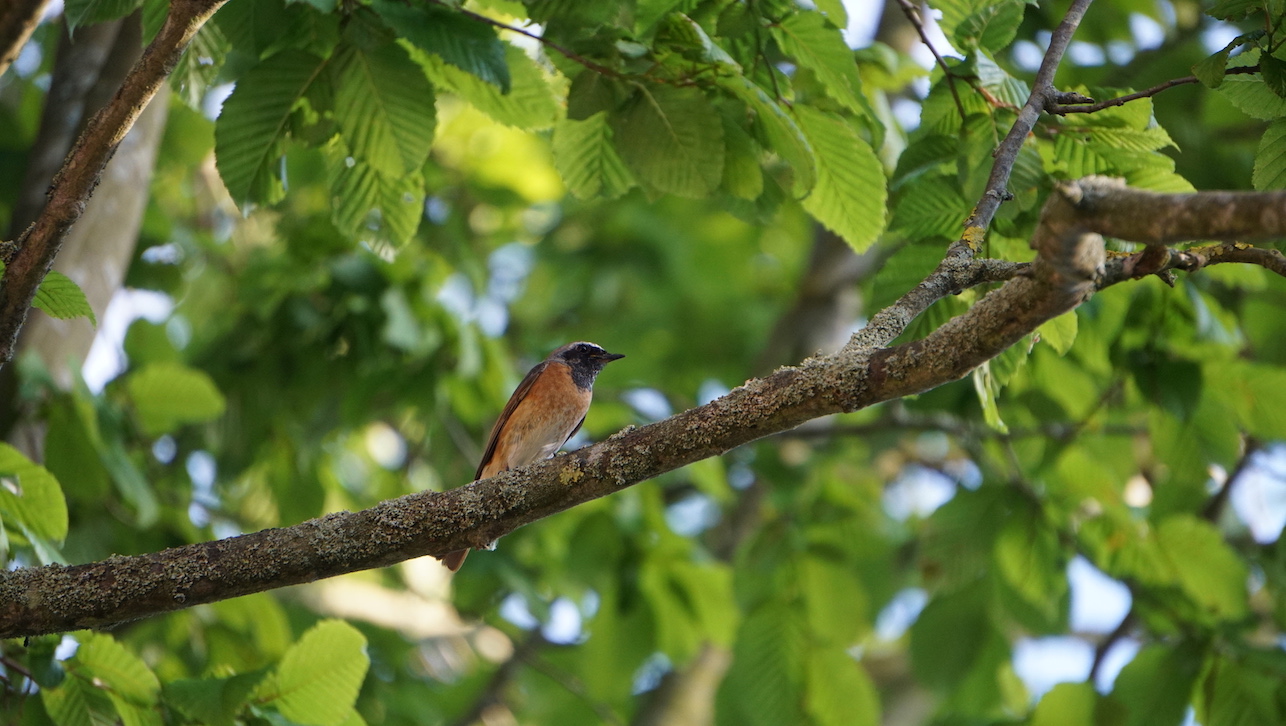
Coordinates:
(546, 410)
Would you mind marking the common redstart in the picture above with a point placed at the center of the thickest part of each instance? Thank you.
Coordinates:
(545, 411)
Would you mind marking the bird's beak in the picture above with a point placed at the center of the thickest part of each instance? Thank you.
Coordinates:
(609, 357)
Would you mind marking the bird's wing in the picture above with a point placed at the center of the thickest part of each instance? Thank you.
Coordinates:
(518, 395)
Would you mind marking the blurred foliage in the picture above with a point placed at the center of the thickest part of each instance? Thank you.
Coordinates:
(400, 208)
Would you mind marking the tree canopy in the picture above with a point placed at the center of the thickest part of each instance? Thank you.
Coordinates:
(939, 335)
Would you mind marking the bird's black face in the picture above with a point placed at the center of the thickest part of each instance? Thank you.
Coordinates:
(586, 361)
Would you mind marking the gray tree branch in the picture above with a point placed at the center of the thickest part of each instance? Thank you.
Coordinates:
(1068, 270)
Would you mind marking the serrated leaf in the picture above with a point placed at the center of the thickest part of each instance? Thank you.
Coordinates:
(587, 160)
(666, 138)
(317, 680)
(1234, 9)
(648, 12)
(834, 601)
(213, 701)
(777, 129)
(199, 67)
(838, 692)
(1251, 96)
(1270, 160)
(80, 13)
(384, 108)
(250, 134)
(763, 684)
(366, 199)
(530, 103)
(834, 11)
(818, 46)
(30, 496)
(931, 207)
(60, 297)
(1029, 558)
(109, 665)
(1210, 71)
(1060, 332)
(742, 176)
(986, 387)
(1240, 695)
(77, 703)
(1209, 571)
(991, 27)
(465, 43)
(1154, 688)
(167, 395)
(850, 191)
(1273, 70)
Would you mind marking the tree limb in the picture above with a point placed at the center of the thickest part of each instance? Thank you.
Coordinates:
(30, 257)
(18, 19)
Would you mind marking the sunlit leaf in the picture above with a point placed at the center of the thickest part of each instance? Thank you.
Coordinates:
(850, 191)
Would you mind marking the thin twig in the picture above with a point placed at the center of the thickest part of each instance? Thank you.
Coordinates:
(570, 54)
(1063, 109)
(913, 17)
(1042, 96)
(958, 263)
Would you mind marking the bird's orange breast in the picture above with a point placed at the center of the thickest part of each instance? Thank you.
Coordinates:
(541, 422)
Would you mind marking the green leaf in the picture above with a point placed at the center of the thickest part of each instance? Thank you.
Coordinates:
(777, 130)
(949, 637)
(213, 701)
(691, 603)
(1270, 160)
(78, 703)
(30, 496)
(1252, 96)
(62, 298)
(931, 207)
(250, 134)
(835, 603)
(1239, 695)
(763, 685)
(317, 681)
(80, 13)
(366, 199)
(1234, 9)
(1210, 71)
(1028, 556)
(1209, 570)
(110, 666)
(850, 191)
(1154, 688)
(834, 11)
(465, 43)
(838, 692)
(1273, 70)
(666, 138)
(742, 176)
(530, 103)
(384, 108)
(1060, 332)
(1066, 704)
(992, 27)
(167, 395)
(587, 160)
(987, 388)
(818, 46)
